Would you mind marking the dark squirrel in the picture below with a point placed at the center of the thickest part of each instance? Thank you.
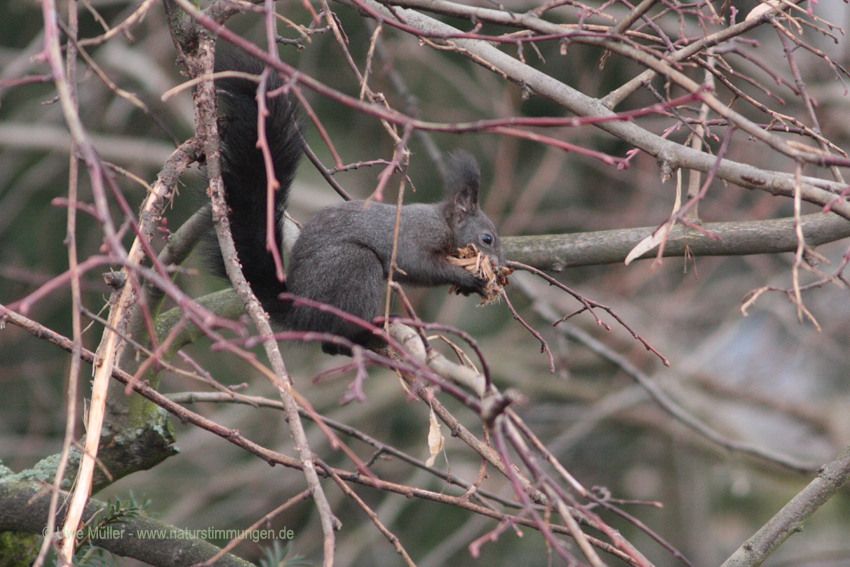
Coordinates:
(342, 256)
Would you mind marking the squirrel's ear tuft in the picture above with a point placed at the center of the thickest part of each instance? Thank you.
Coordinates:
(462, 180)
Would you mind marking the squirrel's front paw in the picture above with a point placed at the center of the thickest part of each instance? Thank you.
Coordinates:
(487, 279)
(477, 286)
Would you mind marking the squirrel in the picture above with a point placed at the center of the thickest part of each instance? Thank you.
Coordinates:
(342, 255)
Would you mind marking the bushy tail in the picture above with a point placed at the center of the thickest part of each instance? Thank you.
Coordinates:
(243, 171)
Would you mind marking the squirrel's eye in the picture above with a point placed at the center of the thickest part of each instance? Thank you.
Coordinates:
(486, 239)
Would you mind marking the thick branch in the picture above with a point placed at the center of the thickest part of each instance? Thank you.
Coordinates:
(24, 507)
(558, 251)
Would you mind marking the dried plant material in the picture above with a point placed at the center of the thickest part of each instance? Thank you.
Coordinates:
(435, 439)
(654, 240)
(481, 266)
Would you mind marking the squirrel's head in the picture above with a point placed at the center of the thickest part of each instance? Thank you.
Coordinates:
(468, 221)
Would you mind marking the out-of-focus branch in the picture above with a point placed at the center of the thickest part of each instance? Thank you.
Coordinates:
(120, 149)
(664, 400)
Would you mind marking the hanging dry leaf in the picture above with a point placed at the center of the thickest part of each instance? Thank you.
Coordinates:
(435, 440)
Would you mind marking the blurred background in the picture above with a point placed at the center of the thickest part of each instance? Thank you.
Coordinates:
(764, 379)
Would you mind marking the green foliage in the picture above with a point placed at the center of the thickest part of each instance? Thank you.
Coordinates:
(116, 513)
(276, 556)
(16, 549)
(87, 555)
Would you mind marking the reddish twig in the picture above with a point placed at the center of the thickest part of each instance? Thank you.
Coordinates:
(589, 305)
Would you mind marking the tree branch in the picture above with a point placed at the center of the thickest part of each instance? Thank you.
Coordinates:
(558, 251)
(24, 508)
(793, 515)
